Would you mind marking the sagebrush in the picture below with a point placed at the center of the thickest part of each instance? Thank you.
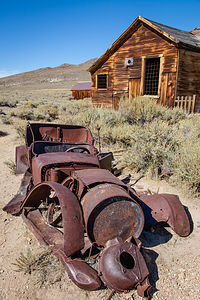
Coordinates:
(155, 140)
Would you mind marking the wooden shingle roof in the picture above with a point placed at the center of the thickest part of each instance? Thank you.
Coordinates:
(179, 37)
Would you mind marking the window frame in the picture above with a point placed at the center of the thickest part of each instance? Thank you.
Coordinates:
(144, 59)
(104, 88)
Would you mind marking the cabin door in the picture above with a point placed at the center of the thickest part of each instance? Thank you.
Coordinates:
(167, 94)
(134, 87)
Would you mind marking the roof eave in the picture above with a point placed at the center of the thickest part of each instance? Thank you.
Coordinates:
(123, 37)
(113, 47)
(188, 47)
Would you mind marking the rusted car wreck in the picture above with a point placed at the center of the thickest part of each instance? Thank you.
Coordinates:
(72, 203)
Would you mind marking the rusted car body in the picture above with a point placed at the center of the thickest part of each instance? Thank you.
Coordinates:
(72, 202)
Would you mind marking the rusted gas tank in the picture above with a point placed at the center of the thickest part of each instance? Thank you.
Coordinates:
(108, 209)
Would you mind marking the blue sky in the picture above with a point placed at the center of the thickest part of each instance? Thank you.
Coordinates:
(37, 34)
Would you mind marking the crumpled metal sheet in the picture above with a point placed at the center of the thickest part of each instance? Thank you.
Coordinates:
(14, 206)
(166, 208)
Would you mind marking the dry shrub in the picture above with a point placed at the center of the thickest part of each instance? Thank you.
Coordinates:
(41, 112)
(187, 167)
(9, 103)
(112, 128)
(7, 119)
(190, 128)
(45, 268)
(142, 110)
(20, 126)
(152, 149)
(46, 112)
(24, 112)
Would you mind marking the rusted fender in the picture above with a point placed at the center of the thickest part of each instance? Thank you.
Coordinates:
(70, 209)
(14, 206)
(79, 272)
(166, 208)
(122, 266)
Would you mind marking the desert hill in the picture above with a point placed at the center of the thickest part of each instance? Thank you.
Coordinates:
(63, 76)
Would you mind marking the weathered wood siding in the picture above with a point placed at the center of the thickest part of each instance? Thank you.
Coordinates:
(188, 82)
(103, 97)
(81, 94)
(143, 43)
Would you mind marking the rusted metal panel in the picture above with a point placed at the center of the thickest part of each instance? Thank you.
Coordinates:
(168, 208)
(79, 272)
(105, 160)
(95, 176)
(45, 161)
(57, 132)
(14, 206)
(45, 234)
(21, 157)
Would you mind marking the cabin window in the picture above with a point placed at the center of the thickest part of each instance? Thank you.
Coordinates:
(102, 81)
(151, 80)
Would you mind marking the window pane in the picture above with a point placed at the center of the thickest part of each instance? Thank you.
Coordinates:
(152, 69)
(102, 81)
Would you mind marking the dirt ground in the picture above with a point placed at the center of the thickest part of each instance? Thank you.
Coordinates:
(174, 262)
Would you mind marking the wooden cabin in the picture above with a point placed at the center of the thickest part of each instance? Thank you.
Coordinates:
(149, 59)
(81, 90)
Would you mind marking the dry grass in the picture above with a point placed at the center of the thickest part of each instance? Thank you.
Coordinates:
(11, 165)
(45, 268)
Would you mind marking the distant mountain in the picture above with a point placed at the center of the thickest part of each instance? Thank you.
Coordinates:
(63, 76)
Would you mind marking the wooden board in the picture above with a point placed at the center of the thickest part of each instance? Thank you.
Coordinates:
(134, 87)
